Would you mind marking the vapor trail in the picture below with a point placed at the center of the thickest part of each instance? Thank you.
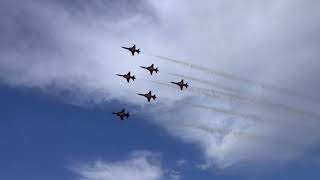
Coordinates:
(240, 79)
(253, 100)
(256, 100)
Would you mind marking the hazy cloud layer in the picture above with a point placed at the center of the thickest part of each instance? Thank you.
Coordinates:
(59, 46)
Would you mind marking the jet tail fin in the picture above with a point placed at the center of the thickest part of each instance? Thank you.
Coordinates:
(156, 70)
(133, 77)
(127, 115)
(187, 85)
(138, 51)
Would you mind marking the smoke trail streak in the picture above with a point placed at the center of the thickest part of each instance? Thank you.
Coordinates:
(253, 100)
(240, 79)
(264, 102)
(162, 83)
(226, 88)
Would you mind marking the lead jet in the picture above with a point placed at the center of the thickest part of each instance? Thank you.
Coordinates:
(181, 84)
(132, 49)
(149, 96)
(151, 69)
(127, 76)
(122, 114)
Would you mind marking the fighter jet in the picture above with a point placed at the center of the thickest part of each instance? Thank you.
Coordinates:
(127, 76)
(181, 84)
(122, 114)
(151, 68)
(149, 96)
(132, 49)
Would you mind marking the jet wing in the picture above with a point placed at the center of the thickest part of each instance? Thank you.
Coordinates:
(132, 52)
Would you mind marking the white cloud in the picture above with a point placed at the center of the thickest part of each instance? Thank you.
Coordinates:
(47, 46)
(140, 165)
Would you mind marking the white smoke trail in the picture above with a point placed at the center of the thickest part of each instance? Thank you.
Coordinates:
(253, 100)
(230, 76)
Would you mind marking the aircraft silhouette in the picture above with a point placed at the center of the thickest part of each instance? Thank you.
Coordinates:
(122, 114)
(132, 49)
(181, 84)
(127, 76)
(149, 96)
(151, 69)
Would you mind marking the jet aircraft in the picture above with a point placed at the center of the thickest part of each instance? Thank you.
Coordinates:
(151, 69)
(149, 96)
(181, 84)
(127, 76)
(122, 114)
(132, 49)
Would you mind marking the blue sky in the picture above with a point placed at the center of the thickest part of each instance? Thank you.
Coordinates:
(251, 111)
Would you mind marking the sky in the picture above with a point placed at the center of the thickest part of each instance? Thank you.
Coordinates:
(250, 111)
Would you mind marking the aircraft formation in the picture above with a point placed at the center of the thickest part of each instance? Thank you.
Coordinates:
(122, 114)
(221, 92)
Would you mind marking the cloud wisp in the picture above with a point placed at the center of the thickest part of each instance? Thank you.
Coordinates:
(140, 165)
